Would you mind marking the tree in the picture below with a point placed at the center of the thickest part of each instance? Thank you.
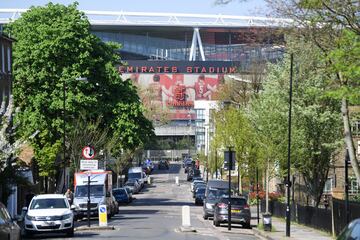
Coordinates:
(55, 46)
(316, 125)
(334, 27)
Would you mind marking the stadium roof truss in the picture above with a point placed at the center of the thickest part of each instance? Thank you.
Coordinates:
(146, 19)
(164, 19)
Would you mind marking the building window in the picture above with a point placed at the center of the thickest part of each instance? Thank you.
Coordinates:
(199, 124)
(200, 113)
(9, 59)
(3, 58)
(356, 128)
(354, 186)
(329, 185)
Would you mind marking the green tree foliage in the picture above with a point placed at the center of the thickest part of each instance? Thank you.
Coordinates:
(53, 47)
(316, 128)
(333, 26)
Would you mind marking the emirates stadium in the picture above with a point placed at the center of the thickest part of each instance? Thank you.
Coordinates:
(179, 62)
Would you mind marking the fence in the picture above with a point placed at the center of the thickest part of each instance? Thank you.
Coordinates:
(318, 218)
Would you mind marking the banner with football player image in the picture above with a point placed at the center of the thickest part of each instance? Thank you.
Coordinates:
(176, 92)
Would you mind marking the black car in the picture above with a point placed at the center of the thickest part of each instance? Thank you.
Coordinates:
(351, 231)
(212, 196)
(199, 196)
(240, 211)
(121, 195)
(8, 228)
(163, 164)
(197, 186)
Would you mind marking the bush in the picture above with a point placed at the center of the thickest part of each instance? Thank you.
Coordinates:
(262, 195)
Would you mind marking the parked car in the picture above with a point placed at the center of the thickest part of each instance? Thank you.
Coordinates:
(121, 195)
(189, 164)
(49, 213)
(134, 185)
(137, 173)
(192, 184)
(351, 231)
(240, 211)
(198, 186)
(8, 227)
(129, 192)
(199, 196)
(212, 196)
(163, 164)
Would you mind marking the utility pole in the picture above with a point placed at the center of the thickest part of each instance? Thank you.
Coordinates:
(257, 195)
(288, 182)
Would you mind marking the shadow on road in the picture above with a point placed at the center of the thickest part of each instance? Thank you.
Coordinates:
(161, 202)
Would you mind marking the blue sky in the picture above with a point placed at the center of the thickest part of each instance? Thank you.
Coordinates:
(236, 7)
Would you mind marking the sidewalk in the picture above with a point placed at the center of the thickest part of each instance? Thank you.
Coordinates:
(297, 231)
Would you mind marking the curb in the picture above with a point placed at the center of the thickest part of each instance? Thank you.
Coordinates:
(187, 229)
(262, 234)
(93, 228)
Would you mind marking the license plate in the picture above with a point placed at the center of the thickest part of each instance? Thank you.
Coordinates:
(49, 223)
(235, 211)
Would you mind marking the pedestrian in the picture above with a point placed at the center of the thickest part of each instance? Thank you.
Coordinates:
(69, 195)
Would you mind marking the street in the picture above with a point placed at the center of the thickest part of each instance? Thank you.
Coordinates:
(156, 214)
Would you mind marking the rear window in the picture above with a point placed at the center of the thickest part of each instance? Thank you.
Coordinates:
(137, 175)
(235, 201)
(119, 192)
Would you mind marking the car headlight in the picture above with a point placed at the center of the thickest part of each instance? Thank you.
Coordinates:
(66, 216)
(30, 218)
(208, 205)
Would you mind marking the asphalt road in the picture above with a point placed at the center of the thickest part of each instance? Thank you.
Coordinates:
(156, 214)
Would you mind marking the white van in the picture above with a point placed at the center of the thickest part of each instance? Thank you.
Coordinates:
(137, 173)
(100, 192)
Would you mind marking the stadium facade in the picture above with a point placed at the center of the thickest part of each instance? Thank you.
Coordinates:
(179, 61)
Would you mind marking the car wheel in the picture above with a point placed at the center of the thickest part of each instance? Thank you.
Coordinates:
(70, 232)
(216, 223)
(28, 234)
(247, 225)
(205, 216)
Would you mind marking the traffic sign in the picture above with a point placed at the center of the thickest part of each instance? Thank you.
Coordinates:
(88, 152)
(89, 164)
(102, 215)
(227, 163)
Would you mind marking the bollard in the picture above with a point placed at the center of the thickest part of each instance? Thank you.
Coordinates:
(186, 217)
(177, 181)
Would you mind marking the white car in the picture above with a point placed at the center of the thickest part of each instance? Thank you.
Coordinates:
(49, 213)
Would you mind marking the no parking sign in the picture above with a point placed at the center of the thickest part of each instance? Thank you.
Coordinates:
(102, 215)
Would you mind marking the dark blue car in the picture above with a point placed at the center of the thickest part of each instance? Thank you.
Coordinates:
(121, 195)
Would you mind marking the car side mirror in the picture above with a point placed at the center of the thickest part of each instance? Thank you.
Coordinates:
(18, 218)
(72, 207)
(24, 209)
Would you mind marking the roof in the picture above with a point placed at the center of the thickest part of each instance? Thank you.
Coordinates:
(112, 18)
(47, 196)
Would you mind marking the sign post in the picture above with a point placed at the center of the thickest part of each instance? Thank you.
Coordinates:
(229, 162)
(102, 216)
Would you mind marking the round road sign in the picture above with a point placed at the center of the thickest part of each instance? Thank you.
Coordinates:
(102, 209)
(88, 152)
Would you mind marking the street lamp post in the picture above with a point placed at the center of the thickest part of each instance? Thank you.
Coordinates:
(288, 182)
(64, 126)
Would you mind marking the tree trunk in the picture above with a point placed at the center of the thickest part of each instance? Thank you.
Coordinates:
(348, 139)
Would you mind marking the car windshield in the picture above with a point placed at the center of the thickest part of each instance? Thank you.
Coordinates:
(48, 203)
(134, 175)
(95, 191)
(119, 192)
(200, 191)
(217, 193)
(130, 184)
